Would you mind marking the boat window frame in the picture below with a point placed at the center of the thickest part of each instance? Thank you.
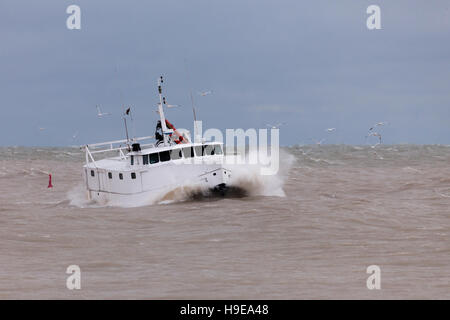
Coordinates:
(110, 175)
(206, 148)
(220, 148)
(133, 175)
(165, 159)
(120, 176)
(180, 154)
(196, 148)
(145, 159)
(150, 157)
(192, 155)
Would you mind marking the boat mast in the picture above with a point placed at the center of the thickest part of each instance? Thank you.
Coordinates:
(192, 97)
(126, 131)
(162, 101)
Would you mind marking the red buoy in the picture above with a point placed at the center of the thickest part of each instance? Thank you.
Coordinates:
(50, 181)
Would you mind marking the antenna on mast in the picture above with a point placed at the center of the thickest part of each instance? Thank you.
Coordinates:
(127, 112)
(192, 99)
(162, 101)
(126, 130)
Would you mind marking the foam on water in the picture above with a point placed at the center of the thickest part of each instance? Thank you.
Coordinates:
(249, 177)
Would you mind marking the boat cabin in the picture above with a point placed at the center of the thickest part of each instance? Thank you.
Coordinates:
(152, 156)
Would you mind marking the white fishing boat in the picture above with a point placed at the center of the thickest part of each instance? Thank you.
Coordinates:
(139, 168)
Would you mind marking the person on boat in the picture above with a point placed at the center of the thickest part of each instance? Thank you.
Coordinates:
(158, 133)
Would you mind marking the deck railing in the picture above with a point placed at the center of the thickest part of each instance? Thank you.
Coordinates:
(111, 146)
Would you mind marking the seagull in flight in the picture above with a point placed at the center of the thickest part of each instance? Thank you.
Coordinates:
(205, 93)
(276, 125)
(168, 105)
(376, 134)
(331, 129)
(377, 125)
(99, 112)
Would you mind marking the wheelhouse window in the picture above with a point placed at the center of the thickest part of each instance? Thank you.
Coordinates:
(145, 159)
(218, 149)
(154, 158)
(212, 149)
(208, 150)
(120, 176)
(110, 175)
(176, 154)
(132, 160)
(164, 156)
(188, 152)
(92, 173)
(198, 151)
(133, 175)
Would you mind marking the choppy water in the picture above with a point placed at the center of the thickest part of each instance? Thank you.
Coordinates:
(344, 208)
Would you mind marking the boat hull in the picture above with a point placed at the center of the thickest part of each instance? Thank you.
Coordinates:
(151, 185)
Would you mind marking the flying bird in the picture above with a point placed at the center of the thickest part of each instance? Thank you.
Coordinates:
(377, 125)
(99, 112)
(276, 125)
(331, 129)
(205, 93)
(375, 134)
(168, 105)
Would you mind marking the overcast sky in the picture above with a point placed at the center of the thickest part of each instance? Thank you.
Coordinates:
(311, 64)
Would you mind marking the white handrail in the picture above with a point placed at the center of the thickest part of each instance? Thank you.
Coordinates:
(110, 143)
(95, 148)
(118, 148)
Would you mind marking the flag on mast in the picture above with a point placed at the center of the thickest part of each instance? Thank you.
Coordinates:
(128, 113)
